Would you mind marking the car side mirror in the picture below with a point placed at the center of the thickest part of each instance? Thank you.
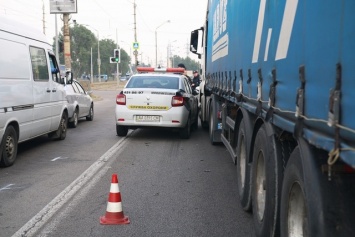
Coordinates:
(69, 77)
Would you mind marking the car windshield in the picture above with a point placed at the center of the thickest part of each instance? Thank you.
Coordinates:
(153, 82)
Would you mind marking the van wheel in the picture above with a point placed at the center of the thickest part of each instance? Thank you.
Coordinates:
(74, 123)
(121, 131)
(185, 132)
(9, 147)
(61, 133)
(90, 117)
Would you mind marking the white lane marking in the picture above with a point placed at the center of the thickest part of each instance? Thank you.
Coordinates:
(6, 187)
(92, 174)
(60, 158)
(259, 29)
(269, 33)
(286, 29)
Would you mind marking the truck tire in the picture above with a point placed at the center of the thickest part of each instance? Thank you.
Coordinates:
(294, 212)
(267, 175)
(243, 168)
(311, 204)
(213, 122)
(9, 145)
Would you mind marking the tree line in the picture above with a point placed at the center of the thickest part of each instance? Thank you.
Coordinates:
(83, 43)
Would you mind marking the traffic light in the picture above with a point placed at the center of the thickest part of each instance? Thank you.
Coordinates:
(117, 55)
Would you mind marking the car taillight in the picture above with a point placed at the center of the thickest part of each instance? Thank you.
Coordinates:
(121, 99)
(177, 101)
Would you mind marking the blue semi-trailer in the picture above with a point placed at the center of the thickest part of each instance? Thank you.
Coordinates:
(278, 89)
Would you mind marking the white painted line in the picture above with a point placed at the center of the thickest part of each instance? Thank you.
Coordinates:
(60, 158)
(6, 187)
(94, 172)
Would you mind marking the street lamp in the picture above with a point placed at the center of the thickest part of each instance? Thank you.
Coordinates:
(156, 42)
(98, 56)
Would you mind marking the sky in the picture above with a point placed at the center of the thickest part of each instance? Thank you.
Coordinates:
(114, 19)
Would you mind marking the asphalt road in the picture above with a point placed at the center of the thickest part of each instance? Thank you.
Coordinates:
(169, 186)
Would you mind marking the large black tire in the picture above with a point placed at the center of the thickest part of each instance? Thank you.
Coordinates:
(9, 145)
(294, 212)
(243, 167)
(75, 119)
(269, 157)
(185, 132)
(121, 130)
(311, 204)
(90, 117)
(61, 132)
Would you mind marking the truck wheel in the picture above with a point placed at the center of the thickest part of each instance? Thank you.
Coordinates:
(74, 121)
(311, 204)
(243, 168)
(294, 213)
(121, 130)
(267, 171)
(9, 147)
(185, 132)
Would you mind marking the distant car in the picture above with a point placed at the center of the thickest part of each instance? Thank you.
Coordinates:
(80, 104)
(157, 100)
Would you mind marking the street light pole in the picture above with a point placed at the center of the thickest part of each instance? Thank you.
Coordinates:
(98, 56)
(156, 42)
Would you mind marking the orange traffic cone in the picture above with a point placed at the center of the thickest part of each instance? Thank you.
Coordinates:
(114, 214)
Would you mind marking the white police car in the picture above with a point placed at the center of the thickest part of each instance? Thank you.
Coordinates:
(157, 98)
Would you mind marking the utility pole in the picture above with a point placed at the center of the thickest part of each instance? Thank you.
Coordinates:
(135, 29)
(67, 56)
(44, 22)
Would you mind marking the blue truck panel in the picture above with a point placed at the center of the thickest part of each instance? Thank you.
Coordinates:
(250, 39)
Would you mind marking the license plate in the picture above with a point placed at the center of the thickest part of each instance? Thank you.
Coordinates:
(147, 118)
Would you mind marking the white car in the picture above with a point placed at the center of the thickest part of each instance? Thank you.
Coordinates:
(157, 98)
(80, 104)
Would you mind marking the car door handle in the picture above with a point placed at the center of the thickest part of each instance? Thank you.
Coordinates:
(48, 90)
(54, 90)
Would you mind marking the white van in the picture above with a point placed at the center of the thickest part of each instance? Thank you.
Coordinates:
(32, 95)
